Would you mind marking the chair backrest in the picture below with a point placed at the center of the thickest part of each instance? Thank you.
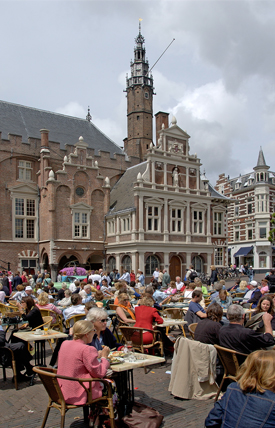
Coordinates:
(240, 294)
(77, 317)
(46, 322)
(191, 317)
(4, 308)
(230, 359)
(49, 379)
(112, 306)
(176, 313)
(192, 328)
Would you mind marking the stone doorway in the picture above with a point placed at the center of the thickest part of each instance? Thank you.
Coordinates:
(175, 268)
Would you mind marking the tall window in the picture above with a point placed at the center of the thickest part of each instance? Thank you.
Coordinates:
(25, 218)
(218, 256)
(125, 224)
(127, 263)
(236, 210)
(237, 233)
(153, 218)
(249, 231)
(249, 205)
(218, 223)
(111, 227)
(176, 221)
(152, 262)
(262, 230)
(25, 170)
(80, 225)
(112, 263)
(198, 222)
(261, 203)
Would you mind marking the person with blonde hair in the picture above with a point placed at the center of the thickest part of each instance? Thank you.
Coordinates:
(249, 402)
(44, 303)
(242, 287)
(124, 312)
(76, 359)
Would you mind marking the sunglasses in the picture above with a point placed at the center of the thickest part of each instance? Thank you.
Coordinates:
(104, 320)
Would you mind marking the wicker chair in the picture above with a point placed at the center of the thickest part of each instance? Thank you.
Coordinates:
(73, 319)
(176, 314)
(7, 360)
(138, 345)
(49, 378)
(231, 361)
(192, 328)
(112, 307)
(59, 320)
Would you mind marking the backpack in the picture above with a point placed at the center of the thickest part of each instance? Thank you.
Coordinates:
(193, 275)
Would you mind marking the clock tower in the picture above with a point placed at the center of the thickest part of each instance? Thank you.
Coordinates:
(140, 91)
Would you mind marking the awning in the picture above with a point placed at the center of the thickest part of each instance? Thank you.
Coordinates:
(243, 251)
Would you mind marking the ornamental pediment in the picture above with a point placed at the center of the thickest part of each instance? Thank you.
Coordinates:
(24, 188)
(81, 206)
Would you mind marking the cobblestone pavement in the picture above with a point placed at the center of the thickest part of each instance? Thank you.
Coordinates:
(25, 408)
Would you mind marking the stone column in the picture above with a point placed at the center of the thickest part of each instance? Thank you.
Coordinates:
(188, 223)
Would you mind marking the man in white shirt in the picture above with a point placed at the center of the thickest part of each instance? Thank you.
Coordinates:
(156, 274)
(76, 308)
(95, 277)
(125, 276)
(179, 283)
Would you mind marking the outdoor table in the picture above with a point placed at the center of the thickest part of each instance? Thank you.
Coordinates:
(175, 305)
(124, 377)
(39, 342)
(167, 322)
(236, 299)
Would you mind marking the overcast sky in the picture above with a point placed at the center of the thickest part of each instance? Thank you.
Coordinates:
(217, 77)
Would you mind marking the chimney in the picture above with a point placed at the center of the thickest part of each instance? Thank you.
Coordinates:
(44, 137)
(161, 117)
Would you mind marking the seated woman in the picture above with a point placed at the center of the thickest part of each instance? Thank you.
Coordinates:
(223, 299)
(103, 336)
(99, 298)
(207, 330)
(66, 301)
(76, 359)
(249, 402)
(146, 314)
(172, 289)
(189, 290)
(30, 312)
(123, 311)
(242, 287)
(266, 304)
(265, 286)
(43, 303)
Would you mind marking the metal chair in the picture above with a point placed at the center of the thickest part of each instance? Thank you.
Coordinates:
(135, 335)
(191, 329)
(231, 361)
(7, 360)
(49, 378)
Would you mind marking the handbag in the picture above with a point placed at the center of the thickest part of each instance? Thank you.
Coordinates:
(143, 416)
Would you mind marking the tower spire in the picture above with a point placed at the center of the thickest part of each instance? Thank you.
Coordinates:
(140, 91)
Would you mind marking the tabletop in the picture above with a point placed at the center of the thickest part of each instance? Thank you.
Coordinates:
(30, 336)
(175, 305)
(148, 361)
(170, 322)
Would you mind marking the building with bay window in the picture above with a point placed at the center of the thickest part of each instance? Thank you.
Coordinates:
(249, 215)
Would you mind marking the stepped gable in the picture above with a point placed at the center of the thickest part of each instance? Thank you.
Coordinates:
(25, 121)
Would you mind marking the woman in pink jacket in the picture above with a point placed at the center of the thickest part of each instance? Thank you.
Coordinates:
(76, 359)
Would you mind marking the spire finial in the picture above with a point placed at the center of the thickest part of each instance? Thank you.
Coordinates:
(89, 117)
(139, 25)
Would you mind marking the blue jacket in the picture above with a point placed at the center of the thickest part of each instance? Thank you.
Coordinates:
(239, 410)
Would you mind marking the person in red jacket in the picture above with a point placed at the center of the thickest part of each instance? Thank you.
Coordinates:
(146, 314)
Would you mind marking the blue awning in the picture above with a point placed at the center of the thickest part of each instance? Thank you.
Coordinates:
(243, 251)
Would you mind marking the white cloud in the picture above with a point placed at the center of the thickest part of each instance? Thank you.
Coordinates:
(73, 108)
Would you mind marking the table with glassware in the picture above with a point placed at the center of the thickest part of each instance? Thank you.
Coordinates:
(124, 375)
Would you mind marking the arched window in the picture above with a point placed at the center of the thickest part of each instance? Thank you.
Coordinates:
(197, 262)
(152, 262)
(127, 263)
(112, 263)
